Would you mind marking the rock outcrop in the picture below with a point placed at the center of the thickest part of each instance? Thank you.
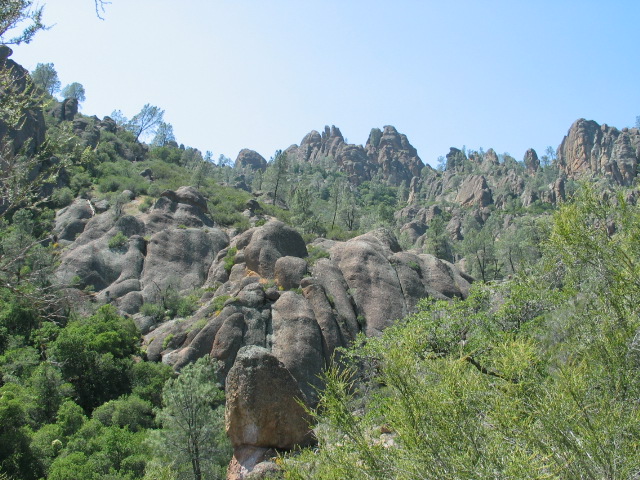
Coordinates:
(387, 153)
(66, 110)
(30, 132)
(275, 322)
(593, 149)
(531, 161)
(474, 191)
(250, 159)
(171, 247)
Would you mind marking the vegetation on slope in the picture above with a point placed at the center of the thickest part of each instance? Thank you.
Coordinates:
(536, 377)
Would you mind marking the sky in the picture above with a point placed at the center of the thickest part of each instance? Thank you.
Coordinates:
(261, 74)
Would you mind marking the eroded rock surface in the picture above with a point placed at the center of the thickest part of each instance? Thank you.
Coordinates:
(171, 247)
(590, 148)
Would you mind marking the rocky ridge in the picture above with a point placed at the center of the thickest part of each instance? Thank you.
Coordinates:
(387, 153)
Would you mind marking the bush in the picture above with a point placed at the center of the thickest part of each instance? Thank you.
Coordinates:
(152, 310)
(230, 259)
(62, 197)
(119, 240)
(315, 254)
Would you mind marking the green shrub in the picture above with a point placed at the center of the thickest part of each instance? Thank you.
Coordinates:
(230, 259)
(119, 240)
(145, 204)
(167, 341)
(152, 310)
(218, 302)
(62, 197)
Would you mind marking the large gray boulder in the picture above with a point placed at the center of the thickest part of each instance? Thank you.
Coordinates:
(250, 159)
(289, 271)
(269, 243)
(373, 283)
(262, 408)
(297, 341)
(72, 220)
(180, 258)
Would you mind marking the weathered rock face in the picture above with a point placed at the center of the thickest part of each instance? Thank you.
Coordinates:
(262, 408)
(72, 220)
(271, 242)
(531, 161)
(474, 191)
(271, 344)
(590, 148)
(179, 248)
(66, 110)
(387, 153)
(250, 159)
(31, 131)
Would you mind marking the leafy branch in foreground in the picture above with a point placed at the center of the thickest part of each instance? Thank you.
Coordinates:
(13, 15)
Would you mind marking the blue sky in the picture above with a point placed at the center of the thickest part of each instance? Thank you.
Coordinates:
(261, 74)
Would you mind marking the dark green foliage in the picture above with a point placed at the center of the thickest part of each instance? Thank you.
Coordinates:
(16, 457)
(192, 437)
(118, 241)
(148, 379)
(128, 411)
(95, 355)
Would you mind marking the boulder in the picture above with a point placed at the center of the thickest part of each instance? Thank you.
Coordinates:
(66, 110)
(250, 159)
(262, 408)
(72, 220)
(179, 258)
(270, 242)
(372, 282)
(297, 342)
(252, 463)
(289, 271)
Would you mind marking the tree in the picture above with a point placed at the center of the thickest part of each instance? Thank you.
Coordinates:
(99, 4)
(192, 435)
(438, 241)
(164, 135)
(147, 121)
(19, 14)
(118, 117)
(74, 90)
(15, 14)
(46, 78)
(277, 172)
(95, 355)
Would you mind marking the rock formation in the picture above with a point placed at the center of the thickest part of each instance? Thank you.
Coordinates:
(29, 134)
(592, 149)
(250, 159)
(386, 153)
(170, 247)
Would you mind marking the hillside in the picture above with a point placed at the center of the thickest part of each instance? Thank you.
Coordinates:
(124, 263)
